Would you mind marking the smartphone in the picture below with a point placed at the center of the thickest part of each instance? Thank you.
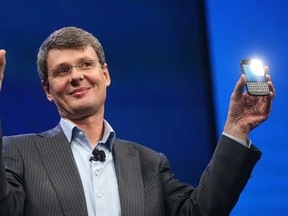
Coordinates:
(255, 76)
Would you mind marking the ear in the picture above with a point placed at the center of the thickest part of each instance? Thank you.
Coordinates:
(47, 91)
(106, 75)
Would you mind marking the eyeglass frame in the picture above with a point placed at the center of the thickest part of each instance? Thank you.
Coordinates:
(56, 73)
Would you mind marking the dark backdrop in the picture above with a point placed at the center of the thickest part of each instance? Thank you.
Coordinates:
(158, 60)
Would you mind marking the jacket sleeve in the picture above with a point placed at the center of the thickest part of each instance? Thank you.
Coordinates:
(12, 193)
(220, 185)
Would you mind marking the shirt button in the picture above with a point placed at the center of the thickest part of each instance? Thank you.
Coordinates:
(97, 173)
(81, 133)
(99, 195)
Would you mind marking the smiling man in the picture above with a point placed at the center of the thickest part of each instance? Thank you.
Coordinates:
(79, 91)
(81, 168)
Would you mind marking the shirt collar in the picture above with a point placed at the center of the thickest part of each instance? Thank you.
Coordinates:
(107, 139)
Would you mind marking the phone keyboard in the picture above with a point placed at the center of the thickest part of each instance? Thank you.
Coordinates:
(258, 87)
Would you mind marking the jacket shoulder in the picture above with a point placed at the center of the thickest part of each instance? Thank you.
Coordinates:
(29, 137)
(136, 146)
(148, 157)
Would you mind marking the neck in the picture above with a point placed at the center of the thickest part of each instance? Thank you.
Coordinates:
(93, 126)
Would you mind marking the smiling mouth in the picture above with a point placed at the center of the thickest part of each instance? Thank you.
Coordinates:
(79, 91)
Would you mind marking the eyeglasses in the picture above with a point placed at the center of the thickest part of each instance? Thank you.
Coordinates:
(86, 65)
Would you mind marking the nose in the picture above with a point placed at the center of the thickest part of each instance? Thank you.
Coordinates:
(75, 75)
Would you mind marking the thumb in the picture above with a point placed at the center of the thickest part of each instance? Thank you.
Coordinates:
(238, 90)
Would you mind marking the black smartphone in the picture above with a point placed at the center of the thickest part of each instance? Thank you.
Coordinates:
(255, 75)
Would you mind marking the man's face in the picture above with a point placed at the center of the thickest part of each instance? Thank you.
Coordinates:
(77, 93)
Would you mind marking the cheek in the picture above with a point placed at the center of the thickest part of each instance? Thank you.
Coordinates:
(57, 90)
(97, 81)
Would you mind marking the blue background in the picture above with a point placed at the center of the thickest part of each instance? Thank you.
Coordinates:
(158, 61)
(162, 94)
(248, 29)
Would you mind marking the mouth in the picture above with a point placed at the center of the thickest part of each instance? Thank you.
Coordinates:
(79, 91)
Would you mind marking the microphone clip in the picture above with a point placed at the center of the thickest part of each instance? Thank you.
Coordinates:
(98, 155)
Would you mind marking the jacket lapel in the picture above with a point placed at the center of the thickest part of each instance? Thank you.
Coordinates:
(62, 171)
(130, 181)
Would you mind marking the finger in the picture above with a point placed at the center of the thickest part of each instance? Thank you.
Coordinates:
(2, 55)
(270, 85)
(268, 102)
(266, 69)
(2, 59)
(272, 89)
(238, 90)
(2, 65)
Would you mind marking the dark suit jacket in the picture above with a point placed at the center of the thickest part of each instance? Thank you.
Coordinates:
(39, 177)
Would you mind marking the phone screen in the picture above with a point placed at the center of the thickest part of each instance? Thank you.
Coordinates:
(254, 72)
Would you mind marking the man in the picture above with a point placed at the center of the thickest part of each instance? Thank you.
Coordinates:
(55, 172)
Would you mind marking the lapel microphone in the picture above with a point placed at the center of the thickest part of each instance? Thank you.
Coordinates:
(98, 155)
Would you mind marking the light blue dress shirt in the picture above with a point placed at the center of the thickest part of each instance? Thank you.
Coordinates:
(246, 143)
(99, 179)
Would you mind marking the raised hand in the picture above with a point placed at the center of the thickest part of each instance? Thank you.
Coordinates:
(2, 65)
(245, 111)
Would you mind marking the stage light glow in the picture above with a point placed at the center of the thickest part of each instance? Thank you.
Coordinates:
(257, 67)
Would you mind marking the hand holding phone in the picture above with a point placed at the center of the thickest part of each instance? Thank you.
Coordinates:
(256, 83)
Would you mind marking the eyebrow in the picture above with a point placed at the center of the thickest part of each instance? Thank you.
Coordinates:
(66, 64)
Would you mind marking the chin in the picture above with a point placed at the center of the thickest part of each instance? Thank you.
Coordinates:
(87, 110)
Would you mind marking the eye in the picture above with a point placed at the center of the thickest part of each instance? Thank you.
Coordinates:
(60, 71)
(63, 70)
(86, 65)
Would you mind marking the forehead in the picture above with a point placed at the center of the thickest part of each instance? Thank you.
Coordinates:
(69, 55)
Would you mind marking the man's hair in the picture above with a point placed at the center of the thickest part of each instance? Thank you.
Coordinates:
(67, 37)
